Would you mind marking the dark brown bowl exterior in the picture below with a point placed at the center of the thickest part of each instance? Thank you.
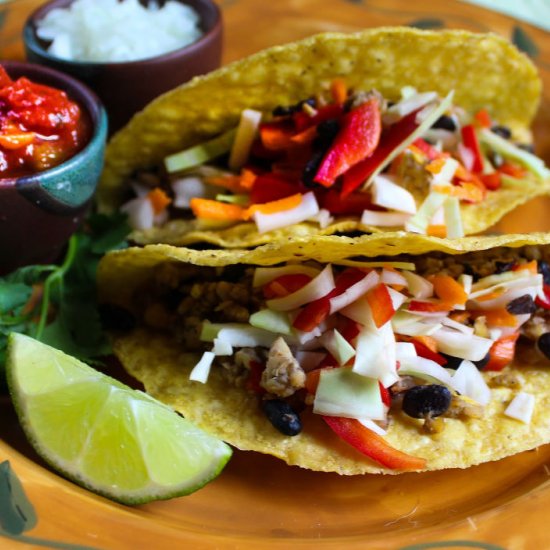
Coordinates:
(126, 87)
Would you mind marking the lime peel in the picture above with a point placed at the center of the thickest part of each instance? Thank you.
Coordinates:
(115, 441)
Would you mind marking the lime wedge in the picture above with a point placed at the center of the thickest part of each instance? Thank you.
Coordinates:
(113, 440)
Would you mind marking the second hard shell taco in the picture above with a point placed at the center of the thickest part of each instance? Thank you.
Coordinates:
(334, 357)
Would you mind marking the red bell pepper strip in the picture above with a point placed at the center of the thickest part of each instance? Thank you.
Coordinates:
(512, 170)
(353, 203)
(502, 352)
(350, 330)
(303, 120)
(390, 139)
(271, 187)
(470, 141)
(381, 304)
(385, 395)
(491, 181)
(285, 284)
(424, 351)
(373, 445)
(544, 302)
(356, 140)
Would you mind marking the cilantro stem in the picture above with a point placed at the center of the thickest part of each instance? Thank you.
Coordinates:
(56, 276)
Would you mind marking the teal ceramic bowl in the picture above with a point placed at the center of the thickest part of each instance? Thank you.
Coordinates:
(39, 213)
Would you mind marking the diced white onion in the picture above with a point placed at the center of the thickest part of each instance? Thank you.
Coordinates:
(453, 218)
(360, 312)
(521, 407)
(424, 368)
(397, 299)
(448, 322)
(246, 132)
(384, 219)
(468, 381)
(412, 103)
(392, 196)
(140, 213)
(323, 218)
(317, 288)
(419, 287)
(465, 346)
(354, 292)
(190, 187)
(404, 350)
(466, 281)
(308, 208)
(247, 337)
(390, 277)
(420, 221)
(222, 347)
(201, 370)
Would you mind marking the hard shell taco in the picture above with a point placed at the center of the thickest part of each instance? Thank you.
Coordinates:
(383, 129)
(333, 357)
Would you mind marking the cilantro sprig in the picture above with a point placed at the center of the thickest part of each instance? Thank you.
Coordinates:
(57, 304)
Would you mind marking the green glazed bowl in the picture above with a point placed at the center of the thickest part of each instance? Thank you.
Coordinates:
(38, 213)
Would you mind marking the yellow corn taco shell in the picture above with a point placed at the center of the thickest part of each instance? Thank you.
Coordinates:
(485, 71)
(233, 414)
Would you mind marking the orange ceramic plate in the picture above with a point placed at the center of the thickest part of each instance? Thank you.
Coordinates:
(258, 502)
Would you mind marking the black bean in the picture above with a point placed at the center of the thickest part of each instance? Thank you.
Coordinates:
(426, 401)
(544, 269)
(501, 267)
(114, 317)
(445, 122)
(502, 131)
(482, 362)
(283, 417)
(452, 362)
(543, 344)
(311, 167)
(327, 130)
(286, 110)
(522, 304)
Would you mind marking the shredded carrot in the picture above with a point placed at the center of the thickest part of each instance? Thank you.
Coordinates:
(436, 165)
(490, 296)
(437, 230)
(483, 119)
(275, 138)
(428, 341)
(339, 91)
(465, 190)
(513, 170)
(159, 199)
(248, 177)
(529, 266)
(449, 290)
(498, 317)
(273, 207)
(216, 210)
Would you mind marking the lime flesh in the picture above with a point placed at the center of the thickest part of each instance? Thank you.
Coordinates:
(115, 441)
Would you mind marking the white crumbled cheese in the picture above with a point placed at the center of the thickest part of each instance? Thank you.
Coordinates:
(109, 30)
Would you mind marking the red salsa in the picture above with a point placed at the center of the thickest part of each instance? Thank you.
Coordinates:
(40, 127)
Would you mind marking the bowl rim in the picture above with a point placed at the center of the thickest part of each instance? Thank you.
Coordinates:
(87, 99)
(32, 41)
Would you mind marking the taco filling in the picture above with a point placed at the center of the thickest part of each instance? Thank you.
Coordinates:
(341, 154)
(423, 345)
